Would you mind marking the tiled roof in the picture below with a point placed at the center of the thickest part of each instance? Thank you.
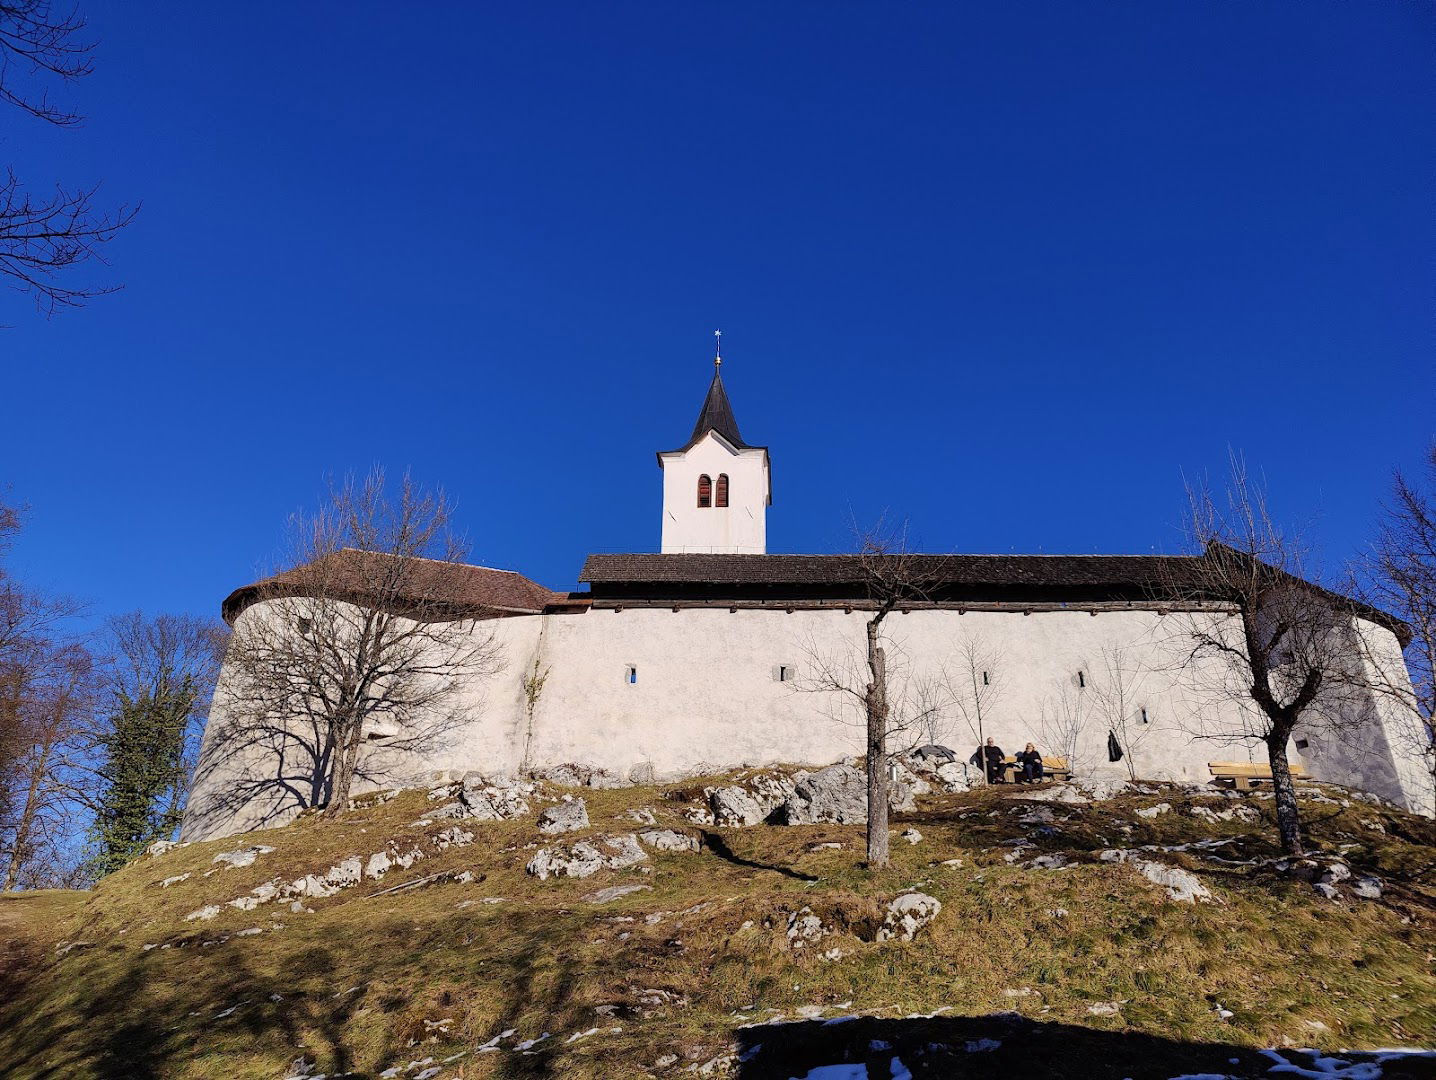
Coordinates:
(1085, 570)
(452, 589)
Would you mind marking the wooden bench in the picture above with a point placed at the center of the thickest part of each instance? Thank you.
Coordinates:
(1053, 768)
(1243, 774)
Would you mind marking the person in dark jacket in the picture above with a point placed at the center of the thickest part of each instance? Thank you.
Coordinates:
(1030, 762)
(989, 758)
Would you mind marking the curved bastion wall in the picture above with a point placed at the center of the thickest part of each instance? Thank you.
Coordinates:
(702, 690)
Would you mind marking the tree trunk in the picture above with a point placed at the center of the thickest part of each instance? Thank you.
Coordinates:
(20, 849)
(346, 760)
(877, 707)
(1288, 815)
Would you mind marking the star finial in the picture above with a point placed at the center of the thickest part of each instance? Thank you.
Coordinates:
(717, 348)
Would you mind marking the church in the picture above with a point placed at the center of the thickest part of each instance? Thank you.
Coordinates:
(706, 657)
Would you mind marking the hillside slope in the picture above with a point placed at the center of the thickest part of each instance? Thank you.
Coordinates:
(737, 958)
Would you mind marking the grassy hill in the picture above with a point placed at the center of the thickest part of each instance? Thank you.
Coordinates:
(1084, 970)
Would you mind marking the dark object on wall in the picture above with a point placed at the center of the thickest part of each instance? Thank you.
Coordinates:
(1114, 748)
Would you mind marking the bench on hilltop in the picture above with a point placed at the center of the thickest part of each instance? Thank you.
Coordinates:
(1053, 768)
(1243, 774)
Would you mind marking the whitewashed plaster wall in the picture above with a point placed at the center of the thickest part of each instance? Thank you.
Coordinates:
(705, 698)
(741, 527)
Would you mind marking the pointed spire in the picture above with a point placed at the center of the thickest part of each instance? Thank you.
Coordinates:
(717, 413)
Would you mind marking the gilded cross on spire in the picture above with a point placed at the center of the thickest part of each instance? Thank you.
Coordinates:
(717, 348)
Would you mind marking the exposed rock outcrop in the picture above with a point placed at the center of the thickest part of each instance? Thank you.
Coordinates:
(567, 816)
(586, 857)
(837, 794)
(908, 914)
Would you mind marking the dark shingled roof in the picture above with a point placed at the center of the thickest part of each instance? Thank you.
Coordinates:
(1015, 579)
(716, 415)
(1086, 570)
(438, 589)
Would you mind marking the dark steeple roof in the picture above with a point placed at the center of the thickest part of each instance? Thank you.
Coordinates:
(717, 415)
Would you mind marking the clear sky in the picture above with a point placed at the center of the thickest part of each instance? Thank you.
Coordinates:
(1005, 269)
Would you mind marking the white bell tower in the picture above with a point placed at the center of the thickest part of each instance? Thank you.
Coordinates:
(716, 488)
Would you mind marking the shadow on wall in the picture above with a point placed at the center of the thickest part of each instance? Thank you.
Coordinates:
(261, 774)
(1006, 1046)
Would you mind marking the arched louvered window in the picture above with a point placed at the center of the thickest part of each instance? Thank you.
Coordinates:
(720, 497)
(705, 490)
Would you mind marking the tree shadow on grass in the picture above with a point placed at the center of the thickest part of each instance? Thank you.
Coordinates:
(1010, 1047)
(715, 843)
(146, 1019)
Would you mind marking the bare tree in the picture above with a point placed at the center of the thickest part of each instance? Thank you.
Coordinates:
(42, 235)
(1285, 654)
(363, 638)
(55, 701)
(1063, 718)
(976, 681)
(889, 699)
(1399, 575)
(1116, 690)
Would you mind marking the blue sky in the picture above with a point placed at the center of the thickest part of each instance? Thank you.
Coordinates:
(1007, 270)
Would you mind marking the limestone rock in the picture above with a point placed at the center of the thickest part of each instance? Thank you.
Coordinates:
(908, 914)
(1335, 873)
(345, 874)
(567, 816)
(668, 840)
(955, 777)
(159, 847)
(453, 837)
(903, 774)
(209, 911)
(574, 775)
(1155, 811)
(242, 857)
(1057, 793)
(804, 927)
(912, 836)
(378, 865)
(1367, 887)
(1180, 884)
(1331, 892)
(642, 774)
(735, 806)
(1098, 788)
(496, 799)
(1048, 862)
(837, 794)
(613, 892)
(167, 882)
(641, 814)
(586, 858)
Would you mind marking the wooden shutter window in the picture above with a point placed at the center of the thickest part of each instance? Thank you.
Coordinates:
(721, 498)
(705, 491)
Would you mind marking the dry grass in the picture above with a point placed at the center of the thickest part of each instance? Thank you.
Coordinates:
(363, 983)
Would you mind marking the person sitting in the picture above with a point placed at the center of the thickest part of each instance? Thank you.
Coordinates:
(1030, 762)
(989, 759)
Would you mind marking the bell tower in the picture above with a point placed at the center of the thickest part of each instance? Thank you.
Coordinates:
(716, 488)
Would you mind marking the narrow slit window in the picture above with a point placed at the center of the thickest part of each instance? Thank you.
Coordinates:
(705, 491)
(784, 673)
(1144, 717)
(720, 497)
(630, 674)
(1082, 679)
(985, 680)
